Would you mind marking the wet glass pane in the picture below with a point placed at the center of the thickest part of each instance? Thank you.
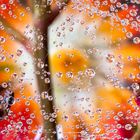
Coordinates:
(69, 69)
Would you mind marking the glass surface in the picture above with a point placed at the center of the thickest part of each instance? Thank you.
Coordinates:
(69, 69)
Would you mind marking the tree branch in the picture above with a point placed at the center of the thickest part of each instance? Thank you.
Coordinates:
(56, 11)
(43, 18)
(28, 45)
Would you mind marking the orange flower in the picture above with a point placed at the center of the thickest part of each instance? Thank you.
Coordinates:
(15, 15)
(68, 62)
(25, 118)
(129, 57)
(8, 55)
(111, 31)
(113, 107)
(70, 126)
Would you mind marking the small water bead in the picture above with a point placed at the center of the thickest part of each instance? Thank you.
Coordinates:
(9, 127)
(3, 6)
(113, 1)
(128, 126)
(76, 114)
(54, 115)
(1, 26)
(21, 80)
(11, 56)
(112, 8)
(66, 117)
(1, 98)
(59, 74)
(4, 85)
(35, 132)
(138, 18)
(27, 110)
(10, 12)
(119, 126)
(51, 119)
(58, 34)
(20, 124)
(118, 5)
(40, 64)
(2, 39)
(131, 76)
(124, 6)
(27, 103)
(129, 35)
(71, 29)
(69, 75)
(110, 58)
(40, 37)
(135, 86)
(120, 114)
(29, 121)
(97, 130)
(15, 75)
(68, 19)
(22, 14)
(11, 1)
(116, 118)
(24, 64)
(138, 76)
(124, 22)
(133, 12)
(19, 52)
(119, 65)
(2, 58)
(136, 40)
(50, 98)
(129, 58)
(97, 3)
(44, 95)
(90, 73)
(47, 80)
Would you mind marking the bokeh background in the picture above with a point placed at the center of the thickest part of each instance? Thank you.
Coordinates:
(94, 60)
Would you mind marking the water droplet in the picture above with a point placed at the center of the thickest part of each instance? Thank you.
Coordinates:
(128, 126)
(27, 103)
(7, 69)
(40, 37)
(135, 86)
(40, 64)
(4, 85)
(133, 12)
(19, 52)
(69, 74)
(129, 35)
(59, 74)
(2, 58)
(90, 73)
(3, 6)
(66, 117)
(113, 1)
(2, 39)
(136, 40)
(29, 121)
(11, 1)
(110, 58)
(1, 98)
(47, 80)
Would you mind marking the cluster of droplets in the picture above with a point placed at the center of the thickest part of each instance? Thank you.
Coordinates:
(89, 73)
